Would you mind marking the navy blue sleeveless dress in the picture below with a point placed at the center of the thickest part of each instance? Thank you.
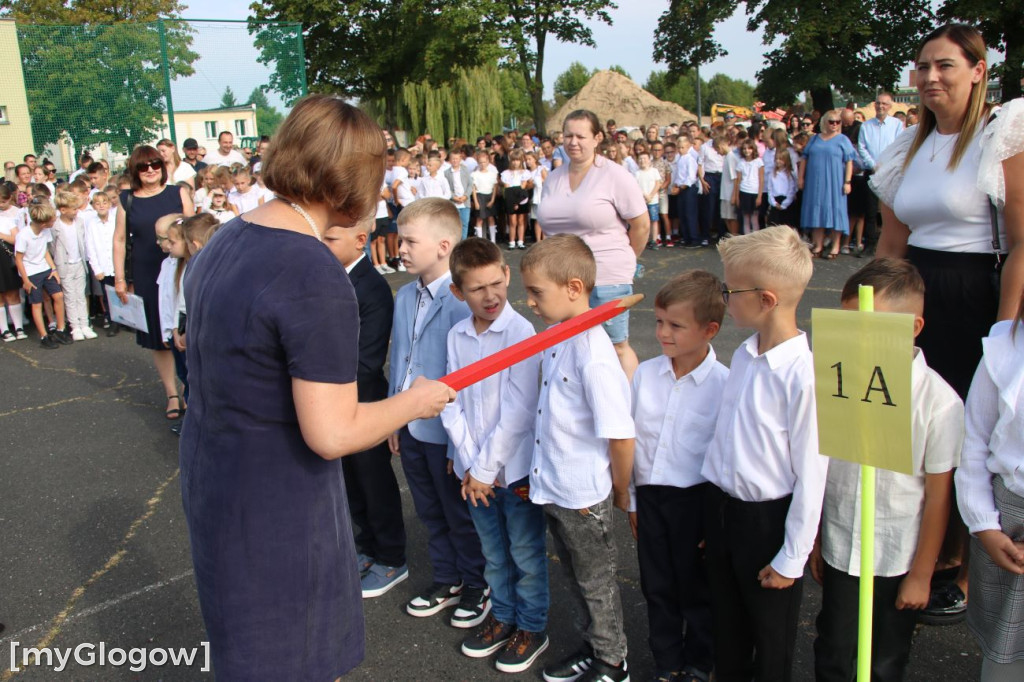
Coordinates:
(268, 518)
(147, 255)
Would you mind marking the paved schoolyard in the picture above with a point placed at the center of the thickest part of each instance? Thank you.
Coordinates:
(94, 547)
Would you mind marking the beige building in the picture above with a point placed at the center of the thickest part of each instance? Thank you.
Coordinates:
(15, 126)
(206, 124)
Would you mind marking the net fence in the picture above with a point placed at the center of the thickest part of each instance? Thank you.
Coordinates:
(106, 88)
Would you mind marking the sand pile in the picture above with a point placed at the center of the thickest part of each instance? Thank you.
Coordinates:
(611, 95)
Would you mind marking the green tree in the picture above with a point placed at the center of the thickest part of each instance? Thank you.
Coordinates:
(570, 82)
(116, 93)
(524, 27)
(1002, 24)
(620, 69)
(726, 90)
(267, 117)
(228, 98)
(370, 49)
(858, 46)
(515, 101)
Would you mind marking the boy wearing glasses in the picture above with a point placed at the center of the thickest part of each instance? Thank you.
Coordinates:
(767, 479)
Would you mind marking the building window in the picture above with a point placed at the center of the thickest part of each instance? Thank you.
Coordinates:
(211, 128)
(240, 127)
(3, 115)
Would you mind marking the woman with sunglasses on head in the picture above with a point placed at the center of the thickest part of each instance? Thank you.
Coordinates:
(825, 174)
(149, 199)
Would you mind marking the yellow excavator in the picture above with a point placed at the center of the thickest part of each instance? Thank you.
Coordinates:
(718, 111)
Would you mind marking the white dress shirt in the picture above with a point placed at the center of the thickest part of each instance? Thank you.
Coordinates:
(684, 170)
(479, 410)
(937, 424)
(435, 186)
(675, 421)
(584, 401)
(994, 445)
(766, 441)
(99, 244)
(425, 295)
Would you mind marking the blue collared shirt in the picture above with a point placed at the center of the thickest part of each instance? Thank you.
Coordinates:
(875, 136)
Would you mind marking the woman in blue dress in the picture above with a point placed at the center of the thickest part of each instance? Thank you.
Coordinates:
(273, 328)
(825, 174)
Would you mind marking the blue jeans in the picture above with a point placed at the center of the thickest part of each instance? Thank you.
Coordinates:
(464, 217)
(618, 326)
(512, 537)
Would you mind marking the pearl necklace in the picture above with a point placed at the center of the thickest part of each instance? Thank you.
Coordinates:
(302, 212)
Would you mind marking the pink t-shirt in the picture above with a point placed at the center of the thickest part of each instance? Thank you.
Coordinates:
(597, 213)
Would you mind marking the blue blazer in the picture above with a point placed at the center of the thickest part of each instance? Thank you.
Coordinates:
(429, 357)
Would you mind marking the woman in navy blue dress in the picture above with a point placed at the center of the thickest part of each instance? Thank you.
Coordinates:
(273, 328)
(149, 199)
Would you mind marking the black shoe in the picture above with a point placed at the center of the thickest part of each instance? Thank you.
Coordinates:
(48, 342)
(521, 651)
(605, 672)
(113, 330)
(63, 337)
(947, 606)
(176, 428)
(489, 637)
(437, 597)
(569, 668)
(474, 605)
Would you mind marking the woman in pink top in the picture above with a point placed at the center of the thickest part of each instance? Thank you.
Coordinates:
(599, 201)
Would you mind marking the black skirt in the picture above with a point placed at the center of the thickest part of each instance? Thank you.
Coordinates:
(9, 279)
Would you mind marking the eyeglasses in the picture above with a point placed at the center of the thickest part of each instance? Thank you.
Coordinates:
(143, 166)
(727, 292)
(807, 124)
(834, 122)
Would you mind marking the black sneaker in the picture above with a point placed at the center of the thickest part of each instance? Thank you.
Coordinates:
(521, 651)
(474, 605)
(6, 335)
(48, 342)
(62, 337)
(113, 330)
(488, 638)
(439, 596)
(569, 668)
(947, 606)
(605, 672)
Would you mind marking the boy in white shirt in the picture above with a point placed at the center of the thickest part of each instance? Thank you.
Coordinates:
(767, 477)
(911, 511)
(676, 398)
(433, 183)
(684, 184)
(38, 271)
(69, 255)
(582, 454)
(401, 184)
(99, 247)
(492, 458)
(650, 181)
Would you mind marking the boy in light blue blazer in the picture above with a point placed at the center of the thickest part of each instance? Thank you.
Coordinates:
(425, 310)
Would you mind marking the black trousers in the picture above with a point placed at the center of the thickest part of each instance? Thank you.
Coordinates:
(835, 649)
(673, 576)
(754, 628)
(870, 216)
(375, 504)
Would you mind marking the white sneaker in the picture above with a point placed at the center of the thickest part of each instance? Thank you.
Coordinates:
(379, 268)
(77, 335)
(20, 334)
(401, 267)
(88, 333)
(388, 270)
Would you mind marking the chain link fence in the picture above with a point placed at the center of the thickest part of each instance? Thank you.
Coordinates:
(107, 88)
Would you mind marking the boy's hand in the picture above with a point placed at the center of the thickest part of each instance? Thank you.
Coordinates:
(27, 285)
(179, 340)
(913, 593)
(771, 579)
(473, 491)
(620, 498)
(817, 563)
(451, 467)
(99, 276)
(632, 523)
(393, 444)
(1007, 554)
(757, 202)
(54, 276)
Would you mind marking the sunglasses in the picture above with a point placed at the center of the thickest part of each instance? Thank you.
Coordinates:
(727, 292)
(807, 124)
(143, 166)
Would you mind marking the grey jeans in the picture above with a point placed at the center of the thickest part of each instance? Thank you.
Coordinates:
(583, 542)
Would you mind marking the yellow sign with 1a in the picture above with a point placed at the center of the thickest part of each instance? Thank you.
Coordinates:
(862, 364)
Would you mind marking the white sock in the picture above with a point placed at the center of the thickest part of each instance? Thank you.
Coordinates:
(478, 231)
(511, 244)
(493, 231)
(16, 315)
(3, 321)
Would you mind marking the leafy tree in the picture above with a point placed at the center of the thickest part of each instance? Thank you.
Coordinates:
(571, 81)
(524, 27)
(620, 69)
(228, 98)
(370, 49)
(116, 92)
(267, 117)
(515, 101)
(726, 90)
(1002, 24)
(680, 88)
(858, 46)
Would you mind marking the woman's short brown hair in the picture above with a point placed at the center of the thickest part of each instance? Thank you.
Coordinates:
(327, 152)
(144, 154)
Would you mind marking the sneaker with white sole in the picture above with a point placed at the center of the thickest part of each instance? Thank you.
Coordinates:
(474, 605)
(489, 637)
(387, 270)
(7, 336)
(569, 668)
(605, 672)
(88, 333)
(77, 335)
(401, 267)
(437, 597)
(380, 578)
(20, 334)
(521, 651)
(363, 563)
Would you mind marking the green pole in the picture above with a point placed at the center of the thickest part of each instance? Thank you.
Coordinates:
(302, 60)
(867, 540)
(165, 67)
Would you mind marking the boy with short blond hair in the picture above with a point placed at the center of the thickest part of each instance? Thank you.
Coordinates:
(582, 453)
(676, 400)
(425, 311)
(69, 254)
(764, 504)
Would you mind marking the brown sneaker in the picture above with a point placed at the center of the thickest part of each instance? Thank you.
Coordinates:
(521, 651)
(488, 638)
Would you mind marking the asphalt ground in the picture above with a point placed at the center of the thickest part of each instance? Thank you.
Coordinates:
(93, 545)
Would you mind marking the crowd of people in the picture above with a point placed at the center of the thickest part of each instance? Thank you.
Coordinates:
(293, 508)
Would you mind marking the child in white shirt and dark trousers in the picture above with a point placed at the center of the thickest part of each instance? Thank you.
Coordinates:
(582, 454)
(764, 504)
(911, 511)
(490, 425)
(676, 398)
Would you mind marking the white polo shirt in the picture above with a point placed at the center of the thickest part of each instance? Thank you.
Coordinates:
(675, 421)
(584, 401)
(766, 441)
